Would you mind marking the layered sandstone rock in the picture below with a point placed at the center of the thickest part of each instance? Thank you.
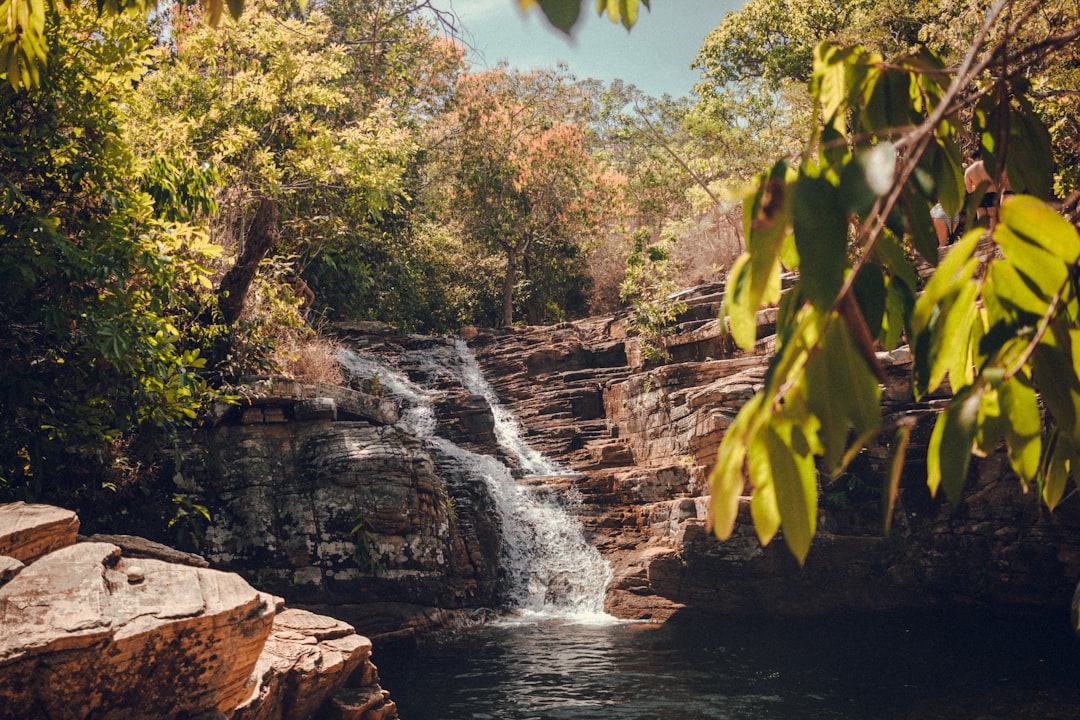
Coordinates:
(363, 520)
(353, 518)
(86, 632)
(29, 531)
(311, 662)
(642, 440)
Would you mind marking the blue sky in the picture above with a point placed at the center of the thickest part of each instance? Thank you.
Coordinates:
(655, 56)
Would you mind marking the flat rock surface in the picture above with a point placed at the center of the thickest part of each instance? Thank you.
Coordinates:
(138, 634)
(28, 531)
(306, 658)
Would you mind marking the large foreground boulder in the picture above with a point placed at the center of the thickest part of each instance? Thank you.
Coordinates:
(86, 630)
(88, 633)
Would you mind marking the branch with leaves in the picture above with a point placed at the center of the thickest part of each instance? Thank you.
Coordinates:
(998, 327)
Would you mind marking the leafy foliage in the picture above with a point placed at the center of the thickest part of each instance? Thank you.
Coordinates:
(517, 178)
(564, 14)
(24, 43)
(649, 289)
(100, 285)
(995, 324)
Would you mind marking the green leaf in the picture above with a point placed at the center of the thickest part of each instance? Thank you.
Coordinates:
(949, 176)
(1023, 434)
(1058, 468)
(919, 225)
(726, 480)
(949, 453)
(796, 488)
(843, 393)
(563, 14)
(829, 81)
(763, 508)
(1054, 374)
(950, 346)
(869, 288)
(991, 423)
(898, 303)
(889, 103)
(953, 273)
(741, 310)
(821, 235)
(768, 215)
(236, 7)
(896, 466)
(1037, 223)
(866, 177)
(754, 280)
(1030, 156)
(1043, 270)
(1006, 293)
(890, 255)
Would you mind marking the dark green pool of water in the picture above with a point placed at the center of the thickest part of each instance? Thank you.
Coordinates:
(961, 665)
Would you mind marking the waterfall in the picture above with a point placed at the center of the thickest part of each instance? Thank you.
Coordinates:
(506, 426)
(551, 570)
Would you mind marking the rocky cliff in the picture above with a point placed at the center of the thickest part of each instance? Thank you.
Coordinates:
(322, 496)
(87, 631)
(643, 438)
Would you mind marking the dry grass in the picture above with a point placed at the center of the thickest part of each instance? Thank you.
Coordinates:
(309, 358)
(707, 247)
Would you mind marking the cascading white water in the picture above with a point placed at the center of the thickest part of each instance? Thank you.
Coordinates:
(507, 431)
(551, 570)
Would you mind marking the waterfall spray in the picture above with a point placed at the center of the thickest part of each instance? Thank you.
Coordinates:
(550, 568)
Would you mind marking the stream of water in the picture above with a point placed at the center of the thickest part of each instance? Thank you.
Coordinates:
(963, 666)
(557, 656)
(551, 571)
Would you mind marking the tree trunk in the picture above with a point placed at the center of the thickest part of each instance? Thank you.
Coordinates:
(261, 236)
(508, 289)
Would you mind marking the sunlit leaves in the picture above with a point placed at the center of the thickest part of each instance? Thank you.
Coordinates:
(754, 279)
(1027, 144)
(23, 46)
(821, 235)
(791, 466)
(994, 330)
(727, 480)
(949, 453)
(1058, 466)
(102, 280)
(843, 394)
(896, 466)
(564, 14)
(1023, 426)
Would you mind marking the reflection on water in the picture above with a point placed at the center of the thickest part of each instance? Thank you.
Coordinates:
(845, 668)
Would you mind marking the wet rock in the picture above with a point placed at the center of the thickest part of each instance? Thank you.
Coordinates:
(344, 514)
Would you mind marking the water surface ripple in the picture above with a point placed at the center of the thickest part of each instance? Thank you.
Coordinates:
(930, 667)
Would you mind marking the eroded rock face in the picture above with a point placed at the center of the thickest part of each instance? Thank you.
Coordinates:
(643, 438)
(351, 518)
(311, 662)
(88, 633)
(29, 531)
(640, 440)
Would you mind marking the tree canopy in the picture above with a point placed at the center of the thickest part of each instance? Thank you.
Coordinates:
(349, 148)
